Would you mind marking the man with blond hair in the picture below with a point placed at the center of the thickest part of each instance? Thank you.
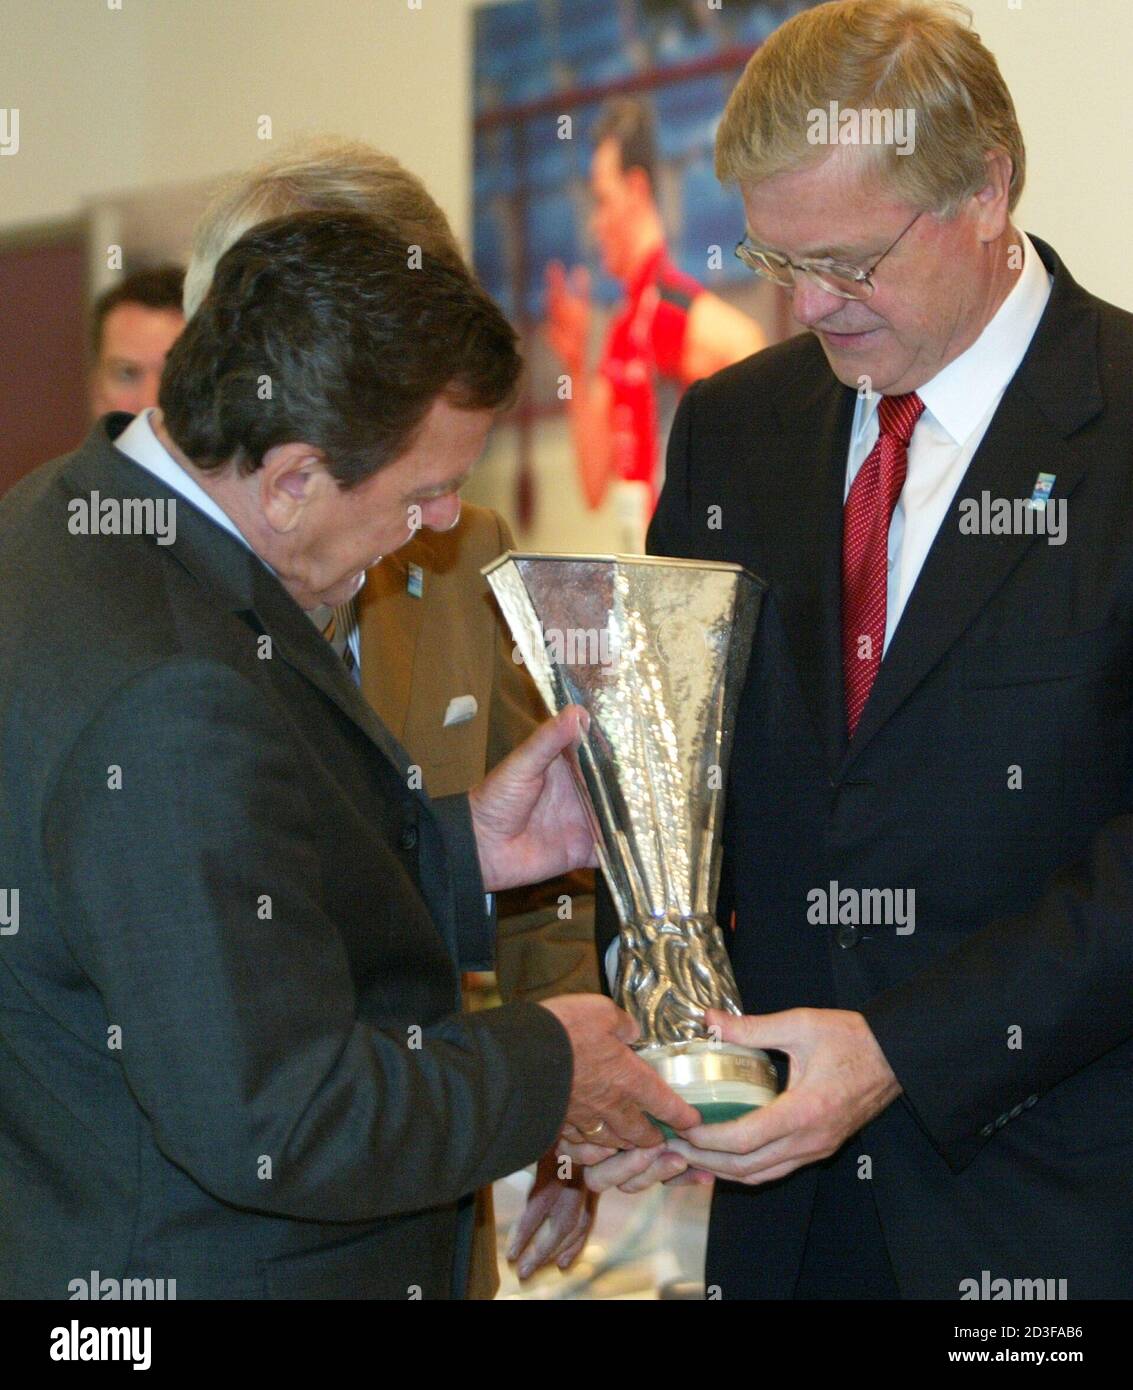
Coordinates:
(937, 713)
(428, 647)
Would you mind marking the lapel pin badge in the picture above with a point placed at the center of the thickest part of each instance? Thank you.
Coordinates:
(415, 583)
(1040, 495)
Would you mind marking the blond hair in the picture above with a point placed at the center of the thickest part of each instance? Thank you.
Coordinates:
(877, 55)
(319, 174)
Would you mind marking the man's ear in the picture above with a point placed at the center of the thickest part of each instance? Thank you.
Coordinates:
(991, 202)
(291, 477)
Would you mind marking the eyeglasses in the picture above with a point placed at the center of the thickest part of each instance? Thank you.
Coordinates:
(835, 277)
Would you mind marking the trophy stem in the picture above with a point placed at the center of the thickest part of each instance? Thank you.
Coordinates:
(670, 969)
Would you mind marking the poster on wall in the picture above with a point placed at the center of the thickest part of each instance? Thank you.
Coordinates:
(601, 230)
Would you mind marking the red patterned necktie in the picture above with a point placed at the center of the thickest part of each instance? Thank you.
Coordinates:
(865, 548)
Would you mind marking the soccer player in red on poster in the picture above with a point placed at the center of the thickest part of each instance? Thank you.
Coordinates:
(669, 325)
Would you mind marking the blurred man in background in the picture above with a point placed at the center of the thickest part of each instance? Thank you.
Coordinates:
(134, 325)
(669, 326)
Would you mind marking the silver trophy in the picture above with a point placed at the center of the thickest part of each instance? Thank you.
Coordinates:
(656, 651)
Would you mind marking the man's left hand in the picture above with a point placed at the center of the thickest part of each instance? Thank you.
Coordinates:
(555, 1223)
(839, 1080)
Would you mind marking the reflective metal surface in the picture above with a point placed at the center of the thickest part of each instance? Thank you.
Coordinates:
(701, 1062)
(656, 651)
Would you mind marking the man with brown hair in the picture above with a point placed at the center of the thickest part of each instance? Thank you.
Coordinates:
(938, 711)
(235, 1051)
(427, 644)
(134, 324)
(669, 326)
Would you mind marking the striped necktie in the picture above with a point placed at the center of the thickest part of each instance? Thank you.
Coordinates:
(337, 624)
(865, 548)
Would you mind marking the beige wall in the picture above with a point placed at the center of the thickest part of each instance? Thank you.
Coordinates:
(1066, 62)
(170, 90)
(165, 90)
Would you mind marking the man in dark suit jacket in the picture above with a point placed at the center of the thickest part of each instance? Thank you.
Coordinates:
(233, 1055)
(960, 1102)
(431, 650)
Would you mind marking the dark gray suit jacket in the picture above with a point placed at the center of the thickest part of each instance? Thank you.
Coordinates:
(231, 1052)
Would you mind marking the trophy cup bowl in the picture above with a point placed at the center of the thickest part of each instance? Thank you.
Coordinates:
(656, 651)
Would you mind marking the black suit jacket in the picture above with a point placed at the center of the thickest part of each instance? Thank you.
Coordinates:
(1007, 1013)
(231, 1052)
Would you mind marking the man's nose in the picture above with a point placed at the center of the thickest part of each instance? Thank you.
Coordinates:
(810, 303)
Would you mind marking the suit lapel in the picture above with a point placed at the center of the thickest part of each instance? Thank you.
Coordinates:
(1055, 391)
(802, 523)
(296, 639)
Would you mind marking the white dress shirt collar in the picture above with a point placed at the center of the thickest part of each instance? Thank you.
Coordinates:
(960, 396)
(139, 442)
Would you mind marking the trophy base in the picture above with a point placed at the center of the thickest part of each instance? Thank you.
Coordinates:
(721, 1081)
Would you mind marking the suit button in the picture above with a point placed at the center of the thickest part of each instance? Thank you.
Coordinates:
(987, 1131)
(1015, 1112)
(408, 837)
(1001, 1122)
(1031, 1100)
(847, 936)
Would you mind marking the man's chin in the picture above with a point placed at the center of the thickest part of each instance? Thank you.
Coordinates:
(343, 591)
(853, 356)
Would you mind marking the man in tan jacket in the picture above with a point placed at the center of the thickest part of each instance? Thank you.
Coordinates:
(433, 655)
(436, 664)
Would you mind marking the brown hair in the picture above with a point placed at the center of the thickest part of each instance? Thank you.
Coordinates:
(628, 122)
(320, 328)
(159, 287)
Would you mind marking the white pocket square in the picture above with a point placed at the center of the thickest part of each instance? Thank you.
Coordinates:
(461, 708)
